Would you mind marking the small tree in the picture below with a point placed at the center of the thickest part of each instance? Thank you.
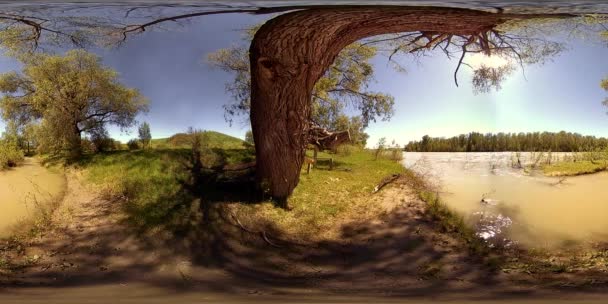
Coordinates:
(133, 144)
(249, 143)
(380, 147)
(10, 154)
(102, 141)
(144, 135)
(249, 137)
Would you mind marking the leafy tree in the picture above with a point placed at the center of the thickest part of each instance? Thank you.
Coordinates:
(69, 95)
(344, 85)
(355, 127)
(144, 134)
(10, 154)
(249, 137)
(101, 140)
(536, 141)
(133, 144)
(380, 146)
(309, 56)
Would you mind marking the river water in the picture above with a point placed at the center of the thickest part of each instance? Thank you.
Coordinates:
(24, 190)
(509, 205)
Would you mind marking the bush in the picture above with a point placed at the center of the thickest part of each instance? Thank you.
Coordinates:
(133, 144)
(87, 146)
(347, 150)
(10, 155)
(396, 154)
(103, 144)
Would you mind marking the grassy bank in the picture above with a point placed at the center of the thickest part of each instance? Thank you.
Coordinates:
(216, 140)
(157, 186)
(571, 168)
(452, 222)
(326, 197)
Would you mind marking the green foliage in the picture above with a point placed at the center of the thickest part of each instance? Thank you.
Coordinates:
(451, 222)
(69, 95)
(102, 141)
(380, 146)
(152, 181)
(144, 134)
(133, 144)
(149, 180)
(216, 140)
(578, 163)
(24, 136)
(249, 142)
(249, 137)
(567, 168)
(344, 85)
(347, 150)
(354, 126)
(485, 78)
(537, 141)
(10, 154)
(324, 197)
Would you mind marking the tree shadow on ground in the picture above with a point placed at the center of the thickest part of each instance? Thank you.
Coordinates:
(400, 254)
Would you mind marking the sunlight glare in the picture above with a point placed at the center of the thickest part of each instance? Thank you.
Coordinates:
(479, 59)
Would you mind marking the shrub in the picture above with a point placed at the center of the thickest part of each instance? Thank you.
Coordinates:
(347, 150)
(396, 154)
(133, 144)
(87, 146)
(102, 144)
(10, 155)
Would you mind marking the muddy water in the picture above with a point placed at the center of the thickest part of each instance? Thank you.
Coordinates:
(530, 209)
(24, 190)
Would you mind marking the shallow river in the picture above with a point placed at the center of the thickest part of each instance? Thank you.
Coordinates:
(23, 190)
(529, 209)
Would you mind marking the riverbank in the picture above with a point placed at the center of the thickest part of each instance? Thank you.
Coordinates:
(110, 232)
(574, 168)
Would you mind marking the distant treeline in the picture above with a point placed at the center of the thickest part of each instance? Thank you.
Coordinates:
(536, 141)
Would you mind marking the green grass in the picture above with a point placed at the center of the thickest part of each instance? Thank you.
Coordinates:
(152, 181)
(147, 180)
(571, 168)
(324, 197)
(452, 222)
(182, 141)
(152, 184)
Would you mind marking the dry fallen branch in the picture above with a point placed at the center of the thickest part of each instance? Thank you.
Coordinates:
(386, 181)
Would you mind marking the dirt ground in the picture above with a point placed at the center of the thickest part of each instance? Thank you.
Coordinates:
(90, 253)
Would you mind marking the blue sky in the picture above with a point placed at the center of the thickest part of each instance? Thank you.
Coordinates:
(169, 68)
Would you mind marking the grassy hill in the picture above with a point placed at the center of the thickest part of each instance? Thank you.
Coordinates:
(182, 140)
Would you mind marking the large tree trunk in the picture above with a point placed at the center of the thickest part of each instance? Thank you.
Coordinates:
(292, 51)
(74, 145)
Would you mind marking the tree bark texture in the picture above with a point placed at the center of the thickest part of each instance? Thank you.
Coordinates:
(292, 51)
